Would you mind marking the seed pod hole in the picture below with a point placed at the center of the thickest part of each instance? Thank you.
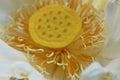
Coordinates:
(56, 28)
(65, 30)
(43, 33)
(47, 20)
(39, 26)
(50, 35)
(59, 12)
(60, 22)
(48, 26)
(59, 35)
(54, 18)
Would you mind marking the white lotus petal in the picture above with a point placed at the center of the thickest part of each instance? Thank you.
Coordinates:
(112, 19)
(96, 72)
(24, 68)
(10, 53)
(112, 46)
(113, 25)
(8, 56)
(3, 17)
(4, 70)
(13, 63)
(109, 54)
(114, 66)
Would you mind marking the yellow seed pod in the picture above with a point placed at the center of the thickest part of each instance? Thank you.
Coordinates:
(54, 26)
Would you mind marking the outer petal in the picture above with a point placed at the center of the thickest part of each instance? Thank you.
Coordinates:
(96, 72)
(10, 7)
(112, 46)
(114, 66)
(8, 56)
(13, 63)
(24, 68)
(13, 4)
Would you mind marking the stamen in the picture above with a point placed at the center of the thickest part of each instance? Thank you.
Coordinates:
(11, 38)
(21, 15)
(20, 24)
(81, 67)
(51, 54)
(41, 50)
(62, 64)
(30, 57)
(21, 45)
(83, 39)
(24, 74)
(84, 45)
(87, 21)
(93, 59)
(33, 50)
(69, 56)
(52, 61)
(42, 70)
(21, 28)
(20, 39)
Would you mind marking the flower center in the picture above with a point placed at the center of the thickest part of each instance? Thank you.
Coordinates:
(54, 26)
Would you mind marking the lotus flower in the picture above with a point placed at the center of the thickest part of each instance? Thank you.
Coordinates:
(58, 38)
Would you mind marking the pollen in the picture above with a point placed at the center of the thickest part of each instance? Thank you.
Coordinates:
(45, 20)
